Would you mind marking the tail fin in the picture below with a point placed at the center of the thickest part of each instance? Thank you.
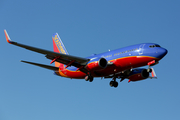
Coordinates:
(58, 47)
(58, 44)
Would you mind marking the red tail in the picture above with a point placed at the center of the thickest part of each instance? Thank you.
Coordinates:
(58, 47)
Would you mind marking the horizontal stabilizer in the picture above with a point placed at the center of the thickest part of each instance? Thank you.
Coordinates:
(43, 66)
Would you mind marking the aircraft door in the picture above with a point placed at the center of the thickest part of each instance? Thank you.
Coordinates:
(141, 49)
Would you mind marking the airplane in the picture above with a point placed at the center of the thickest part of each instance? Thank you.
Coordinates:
(121, 63)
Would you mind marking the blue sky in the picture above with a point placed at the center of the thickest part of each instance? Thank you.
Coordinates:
(86, 27)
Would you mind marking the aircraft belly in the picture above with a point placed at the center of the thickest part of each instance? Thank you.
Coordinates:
(73, 74)
(124, 63)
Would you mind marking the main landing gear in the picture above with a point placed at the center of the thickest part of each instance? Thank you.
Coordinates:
(113, 83)
(89, 78)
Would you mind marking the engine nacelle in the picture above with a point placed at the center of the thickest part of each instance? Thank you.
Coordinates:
(97, 64)
(138, 74)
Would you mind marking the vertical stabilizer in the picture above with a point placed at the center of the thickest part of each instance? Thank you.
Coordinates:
(58, 47)
(58, 44)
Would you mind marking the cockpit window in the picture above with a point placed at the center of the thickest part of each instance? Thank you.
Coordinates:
(158, 46)
(152, 46)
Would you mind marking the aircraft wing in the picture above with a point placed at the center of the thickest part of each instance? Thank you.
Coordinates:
(62, 58)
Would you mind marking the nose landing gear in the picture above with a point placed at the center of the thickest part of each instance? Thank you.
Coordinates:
(149, 70)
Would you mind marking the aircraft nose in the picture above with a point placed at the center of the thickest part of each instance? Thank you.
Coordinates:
(162, 52)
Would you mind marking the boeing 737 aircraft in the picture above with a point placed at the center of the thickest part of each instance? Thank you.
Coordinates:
(121, 63)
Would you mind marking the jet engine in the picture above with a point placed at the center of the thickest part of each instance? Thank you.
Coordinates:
(138, 74)
(97, 64)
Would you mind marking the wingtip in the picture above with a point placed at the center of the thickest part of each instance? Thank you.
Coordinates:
(7, 37)
(23, 61)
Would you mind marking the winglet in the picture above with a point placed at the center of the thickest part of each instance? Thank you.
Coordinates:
(7, 37)
(153, 74)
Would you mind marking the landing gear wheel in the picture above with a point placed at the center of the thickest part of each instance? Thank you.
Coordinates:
(113, 84)
(89, 78)
(149, 70)
(86, 78)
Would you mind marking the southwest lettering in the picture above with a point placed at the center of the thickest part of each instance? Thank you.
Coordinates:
(56, 39)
